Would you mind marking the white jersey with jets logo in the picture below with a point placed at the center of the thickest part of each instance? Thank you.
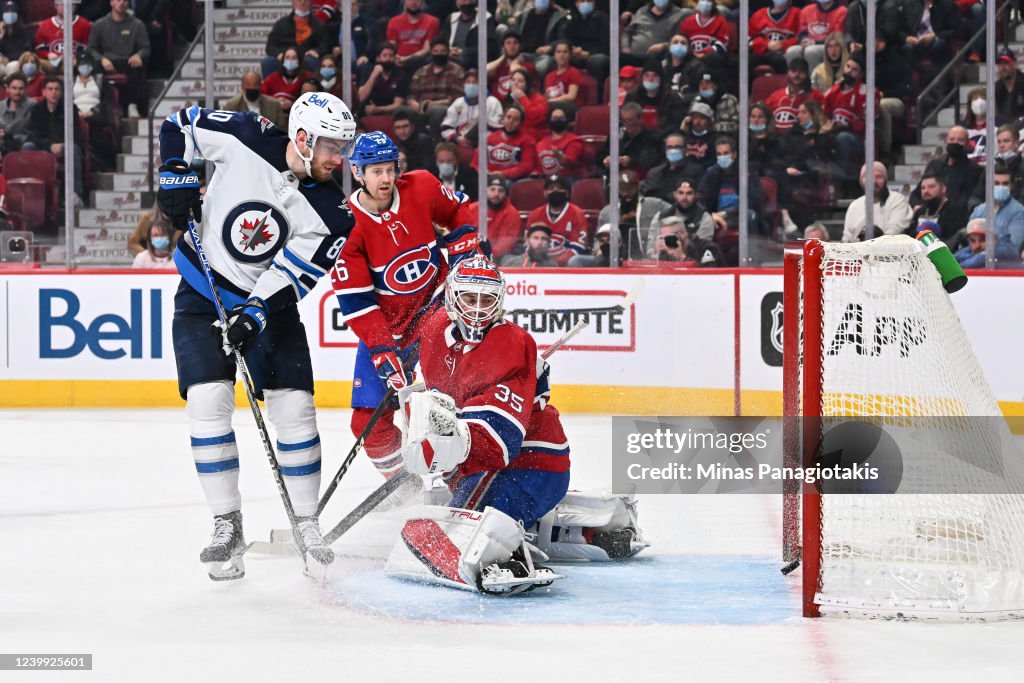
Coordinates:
(265, 233)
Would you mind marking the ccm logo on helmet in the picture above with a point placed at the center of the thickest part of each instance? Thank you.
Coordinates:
(412, 271)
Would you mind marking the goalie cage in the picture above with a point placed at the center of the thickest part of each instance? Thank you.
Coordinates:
(933, 556)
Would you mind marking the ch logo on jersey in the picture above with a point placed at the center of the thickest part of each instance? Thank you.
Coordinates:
(785, 116)
(558, 245)
(412, 271)
(504, 154)
(700, 44)
(549, 162)
(779, 35)
(254, 231)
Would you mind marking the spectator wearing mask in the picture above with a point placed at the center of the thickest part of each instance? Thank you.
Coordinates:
(412, 32)
(460, 121)
(764, 141)
(825, 75)
(649, 30)
(299, 30)
(563, 85)
(948, 217)
(460, 33)
(384, 86)
(688, 208)
(639, 146)
(698, 127)
(504, 226)
(719, 190)
(725, 106)
(891, 213)
(14, 37)
(139, 239)
(561, 151)
(588, 32)
(1009, 212)
(14, 114)
(537, 250)
(88, 92)
(706, 29)
(773, 30)
(973, 255)
(959, 173)
(662, 108)
(785, 101)
(540, 29)
(1009, 88)
(975, 120)
(285, 84)
(1007, 154)
(511, 153)
(119, 43)
(818, 20)
(251, 99)
(453, 175)
(570, 232)
(600, 254)
(160, 248)
(49, 40)
(665, 177)
(419, 151)
(436, 85)
(30, 66)
(511, 59)
(328, 78)
(533, 104)
(638, 217)
(807, 156)
(680, 67)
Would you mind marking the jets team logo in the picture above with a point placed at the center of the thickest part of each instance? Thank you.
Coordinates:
(254, 231)
(412, 271)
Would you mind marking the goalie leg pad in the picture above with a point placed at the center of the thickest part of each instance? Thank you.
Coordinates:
(466, 549)
(591, 526)
(298, 446)
(210, 406)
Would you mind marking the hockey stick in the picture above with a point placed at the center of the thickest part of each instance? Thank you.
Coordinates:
(250, 392)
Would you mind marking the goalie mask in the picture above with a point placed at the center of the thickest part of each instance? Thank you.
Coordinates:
(474, 297)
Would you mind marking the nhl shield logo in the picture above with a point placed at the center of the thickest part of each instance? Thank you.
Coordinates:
(254, 231)
(771, 329)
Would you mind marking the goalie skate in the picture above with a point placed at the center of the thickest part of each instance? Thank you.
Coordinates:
(517, 575)
(223, 556)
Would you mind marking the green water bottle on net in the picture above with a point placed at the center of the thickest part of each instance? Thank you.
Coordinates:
(953, 276)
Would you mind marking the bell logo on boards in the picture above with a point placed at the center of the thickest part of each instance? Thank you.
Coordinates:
(64, 334)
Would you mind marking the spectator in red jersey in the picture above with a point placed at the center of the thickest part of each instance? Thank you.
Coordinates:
(504, 226)
(326, 10)
(411, 32)
(663, 109)
(831, 68)
(706, 29)
(570, 232)
(50, 35)
(845, 105)
(681, 68)
(511, 153)
(285, 84)
(384, 86)
(298, 29)
(773, 30)
(533, 104)
(453, 175)
(30, 66)
(562, 151)
(786, 100)
(119, 43)
(818, 20)
(499, 71)
(563, 84)
(436, 85)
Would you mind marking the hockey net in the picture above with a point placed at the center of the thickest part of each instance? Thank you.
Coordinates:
(870, 332)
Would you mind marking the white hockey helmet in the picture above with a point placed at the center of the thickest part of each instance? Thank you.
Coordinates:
(474, 297)
(321, 115)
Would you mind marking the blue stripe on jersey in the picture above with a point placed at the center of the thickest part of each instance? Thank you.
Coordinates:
(301, 470)
(197, 280)
(302, 265)
(355, 302)
(300, 289)
(198, 442)
(298, 446)
(546, 451)
(510, 433)
(219, 466)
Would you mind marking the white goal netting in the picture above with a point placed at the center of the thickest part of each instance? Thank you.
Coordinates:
(893, 349)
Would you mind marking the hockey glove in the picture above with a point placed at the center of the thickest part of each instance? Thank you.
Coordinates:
(245, 322)
(435, 440)
(460, 244)
(389, 366)
(179, 193)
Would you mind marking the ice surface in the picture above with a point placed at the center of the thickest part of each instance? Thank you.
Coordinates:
(102, 521)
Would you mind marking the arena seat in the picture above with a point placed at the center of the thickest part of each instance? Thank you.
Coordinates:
(38, 165)
(526, 195)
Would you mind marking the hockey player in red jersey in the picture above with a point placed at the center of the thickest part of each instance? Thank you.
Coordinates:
(482, 419)
(387, 275)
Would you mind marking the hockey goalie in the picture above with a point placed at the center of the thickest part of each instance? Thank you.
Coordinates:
(481, 418)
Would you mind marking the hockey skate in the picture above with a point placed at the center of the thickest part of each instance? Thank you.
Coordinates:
(517, 575)
(223, 557)
(318, 555)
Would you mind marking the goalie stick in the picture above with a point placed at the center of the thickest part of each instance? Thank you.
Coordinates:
(279, 543)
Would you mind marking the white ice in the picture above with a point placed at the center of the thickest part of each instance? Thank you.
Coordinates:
(102, 520)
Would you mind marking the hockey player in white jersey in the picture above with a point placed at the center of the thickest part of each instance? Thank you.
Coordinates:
(272, 223)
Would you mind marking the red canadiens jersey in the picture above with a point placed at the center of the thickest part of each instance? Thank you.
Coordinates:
(50, 36)
(784, 105)
(570, 233)
(514, 157)
(409, 37)
(571, 146)
(764, 28)
(557, 84)
(847, 106)
(704, 38)
(393, 264)
(817, 24)
(498, 393)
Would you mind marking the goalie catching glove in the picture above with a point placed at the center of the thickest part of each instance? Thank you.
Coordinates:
(435, 440)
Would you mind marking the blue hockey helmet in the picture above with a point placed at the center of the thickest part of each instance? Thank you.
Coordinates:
(372, 148)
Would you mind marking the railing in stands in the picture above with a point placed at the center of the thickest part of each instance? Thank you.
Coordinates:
(163, 93)
(956, 61)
